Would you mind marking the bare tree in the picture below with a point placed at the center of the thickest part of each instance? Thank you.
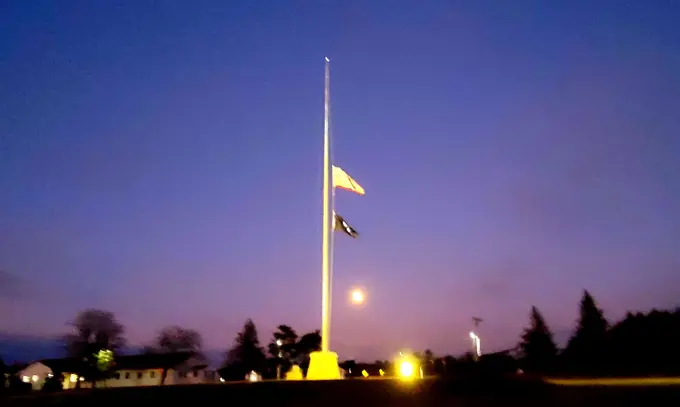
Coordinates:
(177, 339)
(94, 330)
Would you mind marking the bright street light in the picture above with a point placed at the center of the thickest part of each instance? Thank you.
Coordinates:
(406, 369)
(476, 343)
(407, 366)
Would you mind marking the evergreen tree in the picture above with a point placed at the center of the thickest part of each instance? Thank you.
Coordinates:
(584, 351)
(287, 337)
(246, 354)
(538, 348)
(282, 349)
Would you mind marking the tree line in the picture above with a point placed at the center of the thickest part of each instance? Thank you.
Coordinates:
(97, 337)
(639, 344)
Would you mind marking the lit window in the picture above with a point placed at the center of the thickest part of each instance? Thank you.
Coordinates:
(73, 378)
(35, 377)
(25, 379)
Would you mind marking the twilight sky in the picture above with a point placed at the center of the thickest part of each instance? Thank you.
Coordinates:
(162, 160)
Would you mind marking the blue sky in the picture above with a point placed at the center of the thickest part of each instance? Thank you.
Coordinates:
(162, 160)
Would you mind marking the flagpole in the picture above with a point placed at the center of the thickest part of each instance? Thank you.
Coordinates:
(331, 256)
(323, 364)
(331, 259)
(326, 218)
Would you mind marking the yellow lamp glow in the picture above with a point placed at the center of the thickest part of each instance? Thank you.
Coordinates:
(406, 369)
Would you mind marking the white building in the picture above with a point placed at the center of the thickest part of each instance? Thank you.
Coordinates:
(132, 370)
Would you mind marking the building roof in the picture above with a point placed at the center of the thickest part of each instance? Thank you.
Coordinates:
(126, 362)
(64, 365)
(152, 361)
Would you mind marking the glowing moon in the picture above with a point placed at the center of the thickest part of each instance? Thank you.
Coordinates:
(357, 296)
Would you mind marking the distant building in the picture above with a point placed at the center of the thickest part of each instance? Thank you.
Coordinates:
(129, 371)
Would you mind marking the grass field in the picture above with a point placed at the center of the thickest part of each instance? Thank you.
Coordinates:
(375, 393)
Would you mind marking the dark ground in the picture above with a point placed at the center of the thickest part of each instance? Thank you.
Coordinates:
(374, 393)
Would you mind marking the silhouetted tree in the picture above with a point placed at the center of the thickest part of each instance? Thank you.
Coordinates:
(584, 352)
(95, 330)
(466, 363)
(418, 356)
(177, 339)
(3, 370)
(308, 343)
(18, 386)
(288, 338)
(246, 354)
(467, 357)
(428, 361)
(148, 350)
(445, 365)
(350, 368)
(53, 384)
(538, 348)
(644, 344)
(284, 354)
(428, 356)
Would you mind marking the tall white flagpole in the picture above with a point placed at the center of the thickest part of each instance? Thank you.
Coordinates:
(326, 218)
(331, 256)
(323, 365)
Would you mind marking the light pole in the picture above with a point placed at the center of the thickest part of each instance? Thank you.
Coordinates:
(476, 344)
(279, 342)
(476, 341)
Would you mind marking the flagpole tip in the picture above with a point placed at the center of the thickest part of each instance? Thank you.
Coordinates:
(327, 60)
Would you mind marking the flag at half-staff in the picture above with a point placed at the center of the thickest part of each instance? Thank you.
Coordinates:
(340, 225)
(342, 180)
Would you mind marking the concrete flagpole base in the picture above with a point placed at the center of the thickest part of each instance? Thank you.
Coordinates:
(323, 366)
